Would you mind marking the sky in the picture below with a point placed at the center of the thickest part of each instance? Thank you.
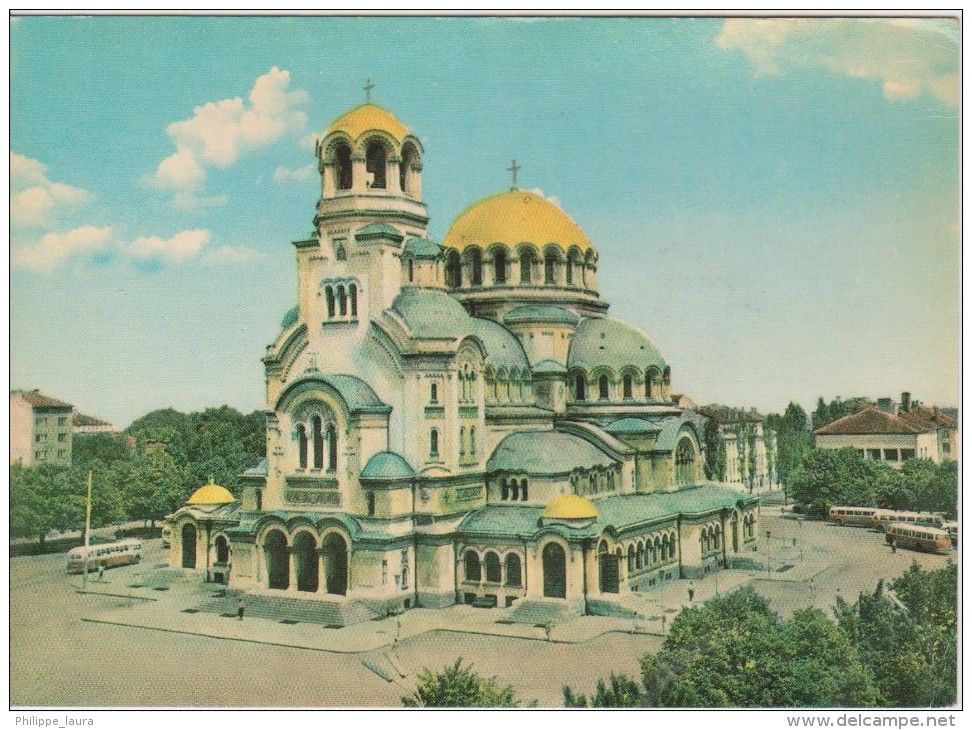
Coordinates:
(774, 201)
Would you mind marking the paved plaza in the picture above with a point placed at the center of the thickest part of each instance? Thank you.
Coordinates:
(123, 642)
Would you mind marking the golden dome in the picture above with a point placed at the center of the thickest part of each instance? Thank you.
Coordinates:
(515, 217)
(368, 117)
(211, 494)
(570, 507)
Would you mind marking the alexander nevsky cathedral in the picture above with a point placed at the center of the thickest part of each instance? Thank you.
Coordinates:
(458, 422)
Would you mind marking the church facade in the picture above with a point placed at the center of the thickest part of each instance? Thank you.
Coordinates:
(459, 421)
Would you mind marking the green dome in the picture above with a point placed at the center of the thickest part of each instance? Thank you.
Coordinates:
(611, 343)
(543, 313)
(290, 318)
(545, 452)
(423, 248)
(387, 465)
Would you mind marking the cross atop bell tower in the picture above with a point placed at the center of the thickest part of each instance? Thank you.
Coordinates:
(367, 90)
(514, 168)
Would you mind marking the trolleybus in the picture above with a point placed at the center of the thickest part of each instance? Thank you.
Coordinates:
(917, 537)
(862, 516)
(123, 552)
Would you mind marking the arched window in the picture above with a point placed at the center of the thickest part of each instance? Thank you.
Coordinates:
(570, 271)
(579, 387)
(640, 560)
(453, 270)
(318, 435)
(504, 490)
(516, 490)
(523, 490)
(434, 393)
(375, 164)
(476, 267)
(302, 446)
(472, 440)
(471, 566)
(513, 571)
(353, 296)
(549, 263)
(342, 156)
(494, 572)
(329, 294)
(684, 462)
(434, 443)
(499, 267)
(411, 270)
(462, 441)
(341, 253)
(409, 155)
(371, 504)
(332, 448)
(602, 387)
(342, 302)
(526, 265)
(631, 558)
(627, 387)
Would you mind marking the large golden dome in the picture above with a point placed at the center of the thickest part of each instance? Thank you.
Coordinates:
(512, 218)
(366, 118)
(570, 507)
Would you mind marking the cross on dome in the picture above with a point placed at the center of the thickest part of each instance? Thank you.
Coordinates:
(367, 90)
(514, 168)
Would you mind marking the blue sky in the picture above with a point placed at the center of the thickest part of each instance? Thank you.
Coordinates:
(774, 201)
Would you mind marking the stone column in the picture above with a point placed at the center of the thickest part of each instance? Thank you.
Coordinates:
(328, 172)
(291, 564)
(359, 175)
(393, 183)
(321, 571)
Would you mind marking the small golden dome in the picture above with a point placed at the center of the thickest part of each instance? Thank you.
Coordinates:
(570, 507)
(515, 217)
(366, 118)
(211, 494)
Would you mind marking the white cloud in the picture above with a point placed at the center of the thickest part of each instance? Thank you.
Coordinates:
(285, 174)
(549, 198)
(55, 248)
(910, 57)
(37, 201)
(219, 132)
(183, 245)
(231, 255)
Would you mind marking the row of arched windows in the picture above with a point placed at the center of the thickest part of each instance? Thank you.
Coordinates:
(469, 268)
(509, 386)
(467, 385)
(596, 481)
(377, 159)
(711, 538)
(342, 300)
(652, 552)
(514, 490)
(490, 569)
(654, 385)
(463, 451)
(749, 526)
(313, 440)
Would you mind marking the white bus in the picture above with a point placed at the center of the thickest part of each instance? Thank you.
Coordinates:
(108, 555)
(863, 516)
(915, 537)
(884, 517)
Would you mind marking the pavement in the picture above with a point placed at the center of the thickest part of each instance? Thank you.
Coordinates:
(792, 571)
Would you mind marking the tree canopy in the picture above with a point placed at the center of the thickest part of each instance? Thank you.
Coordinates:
(458, 686)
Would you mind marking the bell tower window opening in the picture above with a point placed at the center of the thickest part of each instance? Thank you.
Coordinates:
(376, 159)
(342, 302)
(353, 296)
(302, 446)
(434, 443)
(570, 271)
(499, 266)
(329, 293)
(332, 448)
(602, 387)
(318, 435)
(579, 393)
(627, 387)
(342, 157)
(405, 167)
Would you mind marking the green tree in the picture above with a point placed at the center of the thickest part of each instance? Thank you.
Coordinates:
(715, 451)
(793, 440)
(751, 454)
(734, 652)
(821, 414)
(42, 499)
(105, 447)
(620, 691)
(458, 686)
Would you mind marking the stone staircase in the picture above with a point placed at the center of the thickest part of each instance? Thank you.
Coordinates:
(541, 613)
(333, 613)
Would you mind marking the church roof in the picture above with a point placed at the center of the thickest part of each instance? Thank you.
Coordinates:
(545, 452)
(632, 425)
(423, 248)
(619, 512)
(290, 318)
(366, 118)
(570, 507)
(503, 349)
(549, 366)
(211, 494)
(355, 392)
(378, 230)
(541, 313)
(611, 343)
(515, 217)
(387, 465)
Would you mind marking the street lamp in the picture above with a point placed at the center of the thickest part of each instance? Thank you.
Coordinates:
(767, 553)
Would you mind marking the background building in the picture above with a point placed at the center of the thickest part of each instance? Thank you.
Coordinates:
(40, 429)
